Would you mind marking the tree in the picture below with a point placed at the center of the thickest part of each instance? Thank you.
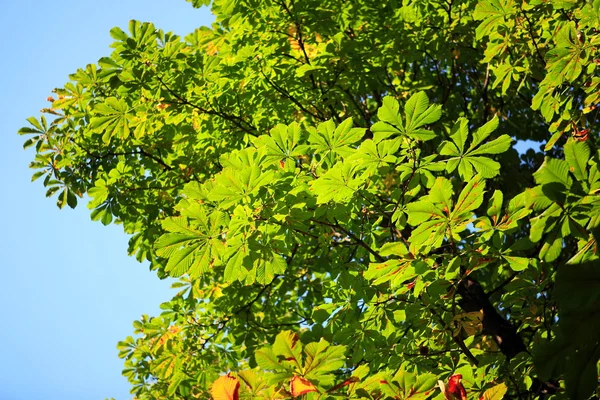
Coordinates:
(336, 186)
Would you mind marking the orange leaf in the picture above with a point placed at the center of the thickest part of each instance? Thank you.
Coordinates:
(301, 386)
(225, 388)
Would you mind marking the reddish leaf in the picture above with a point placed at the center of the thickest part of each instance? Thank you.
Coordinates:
(345, 383)
(456, 390)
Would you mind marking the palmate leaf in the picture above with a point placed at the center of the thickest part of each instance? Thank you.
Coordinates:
(436, 216)
(327, 140)
(234, 269)
(252, 254)
(422, 210)
(112, 119)
(565, 61)
(431, 215)
(180, 251)
(420, 113)
(373, 155)
(495, 205)
(245, 158)
(467, 160)
(187, 249)
(494, 147)
(322, 358)
(175, 381)
(414, 386)
(339, 184)
(492, 13)
(98, 193)
(255, 380)
(282, 142)
(417, 113)
(267, 265)
(284, 357)
(390, 121)
(235, 186)
(548, 225)
(314, 363)
(552, 246)
(166, 365)
(403, 385)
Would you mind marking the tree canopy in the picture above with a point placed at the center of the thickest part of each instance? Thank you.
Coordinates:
(336, 186)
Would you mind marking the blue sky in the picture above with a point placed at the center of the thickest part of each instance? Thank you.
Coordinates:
(68, 288)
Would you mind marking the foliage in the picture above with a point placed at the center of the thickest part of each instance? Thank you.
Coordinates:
(336, 186)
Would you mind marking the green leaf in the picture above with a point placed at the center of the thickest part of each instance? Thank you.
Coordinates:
(282, 143)
(239, 185)
(495, 205)
(321, 359)
(517, 263)
(577, 155)
(483, 133)
(497, 146)
(470, 197)
(429, 234)
(339, 184)
(553, 171)
(287, 345)
(492, 13)
(112, 119)
(390, 121)
(329, 140)
(267, 359)
(186, 249)
(465, 161)
(459, 135)
(267, 266)
(421, 211)
(414, 386)
(418, 113)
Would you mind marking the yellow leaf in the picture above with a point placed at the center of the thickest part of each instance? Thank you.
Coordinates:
(469, 322)
(301, 386)
(494, 393)
(225, 388)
